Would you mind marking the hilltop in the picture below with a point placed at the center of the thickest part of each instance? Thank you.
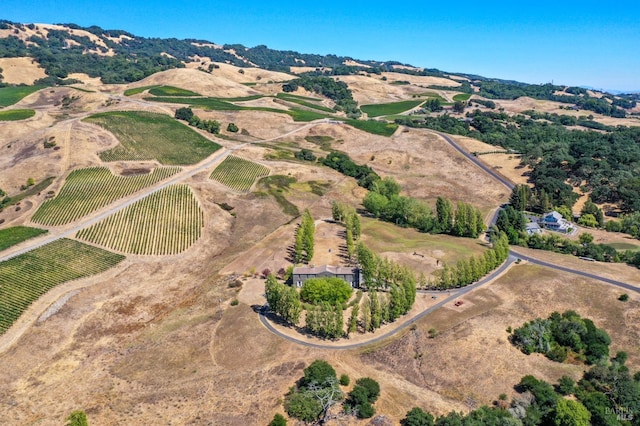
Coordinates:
(154, 182)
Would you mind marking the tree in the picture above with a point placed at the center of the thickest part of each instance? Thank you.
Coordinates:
(337, 211)
(327, 289)
(353, 319)
(302, 405)
(231, 127)
(588, 220)
(444, 214)
(77, 418)
(319, 372)
(417, 417)
(459, 106)
(185, 114)
(571, 413)
(278, 420)
(585, 238)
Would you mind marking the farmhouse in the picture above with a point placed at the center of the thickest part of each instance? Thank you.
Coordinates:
(349, 274)
(555, 222)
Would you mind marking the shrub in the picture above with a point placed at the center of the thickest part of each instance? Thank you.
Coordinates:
(623, 297)
(278, 420)
(344, 380)
(234, 302)
(232, 128)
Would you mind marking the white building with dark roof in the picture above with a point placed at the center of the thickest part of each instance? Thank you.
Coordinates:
(347, 273)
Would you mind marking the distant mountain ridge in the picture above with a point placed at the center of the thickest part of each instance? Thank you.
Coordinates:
(117, 56)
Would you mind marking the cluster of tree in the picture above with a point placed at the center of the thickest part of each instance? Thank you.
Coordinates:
(342, 163)
(567, 120)
(325, 320)
(391, 289)
(607, 395)
(385, 202)
(484, 102)
(628, 223)
(305, 238)
(606, 105)
(343, 70)
(326, 289)
(602, 162)
(319, 391)
(305, 155)
(560, 336)
(347, 215)
(467, 271)
(433, 105)
(283, 300)
(337, 91)
(512, 222)
(362, 397)
(186, 114)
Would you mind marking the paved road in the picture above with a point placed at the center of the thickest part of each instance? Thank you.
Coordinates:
(475, 160)
(513, 255)
(459, 292)
(535, 261)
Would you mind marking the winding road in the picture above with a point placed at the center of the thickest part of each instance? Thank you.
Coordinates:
(513, 256)
(210, 161)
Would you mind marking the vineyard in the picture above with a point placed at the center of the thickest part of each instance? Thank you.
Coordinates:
(151, 136)
(87, 190)
(25, 278)
(238, 174)
(17, 234)
(166, 222)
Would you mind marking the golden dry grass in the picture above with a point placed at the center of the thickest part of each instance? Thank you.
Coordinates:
(21, 70)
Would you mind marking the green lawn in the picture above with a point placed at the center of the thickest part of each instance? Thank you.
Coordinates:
(624, 246)
(462, 97)
(376, 127)
(16, 114)
(224, 104)
(148, 136)
(17, 234)
(300, 100)
(171, 91)
(138, 90)
(11, 95)
(376, 110)
(384, 236)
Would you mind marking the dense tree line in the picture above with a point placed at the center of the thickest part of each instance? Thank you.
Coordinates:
(468, 271)
(186, 114)
(385, 202)
(305, 238)
(283, 300)
(349, 217)
(563, 335)
(603, 162)
(342, 163)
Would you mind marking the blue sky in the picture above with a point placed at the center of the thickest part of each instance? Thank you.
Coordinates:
(582, 43)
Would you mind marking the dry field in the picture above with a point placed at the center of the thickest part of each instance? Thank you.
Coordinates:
(156, 340)
(21, 70)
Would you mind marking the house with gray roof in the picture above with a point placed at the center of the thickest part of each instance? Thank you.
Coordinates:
(555, 222)
(347, 273)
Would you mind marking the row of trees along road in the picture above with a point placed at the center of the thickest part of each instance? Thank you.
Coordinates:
(305, 238)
